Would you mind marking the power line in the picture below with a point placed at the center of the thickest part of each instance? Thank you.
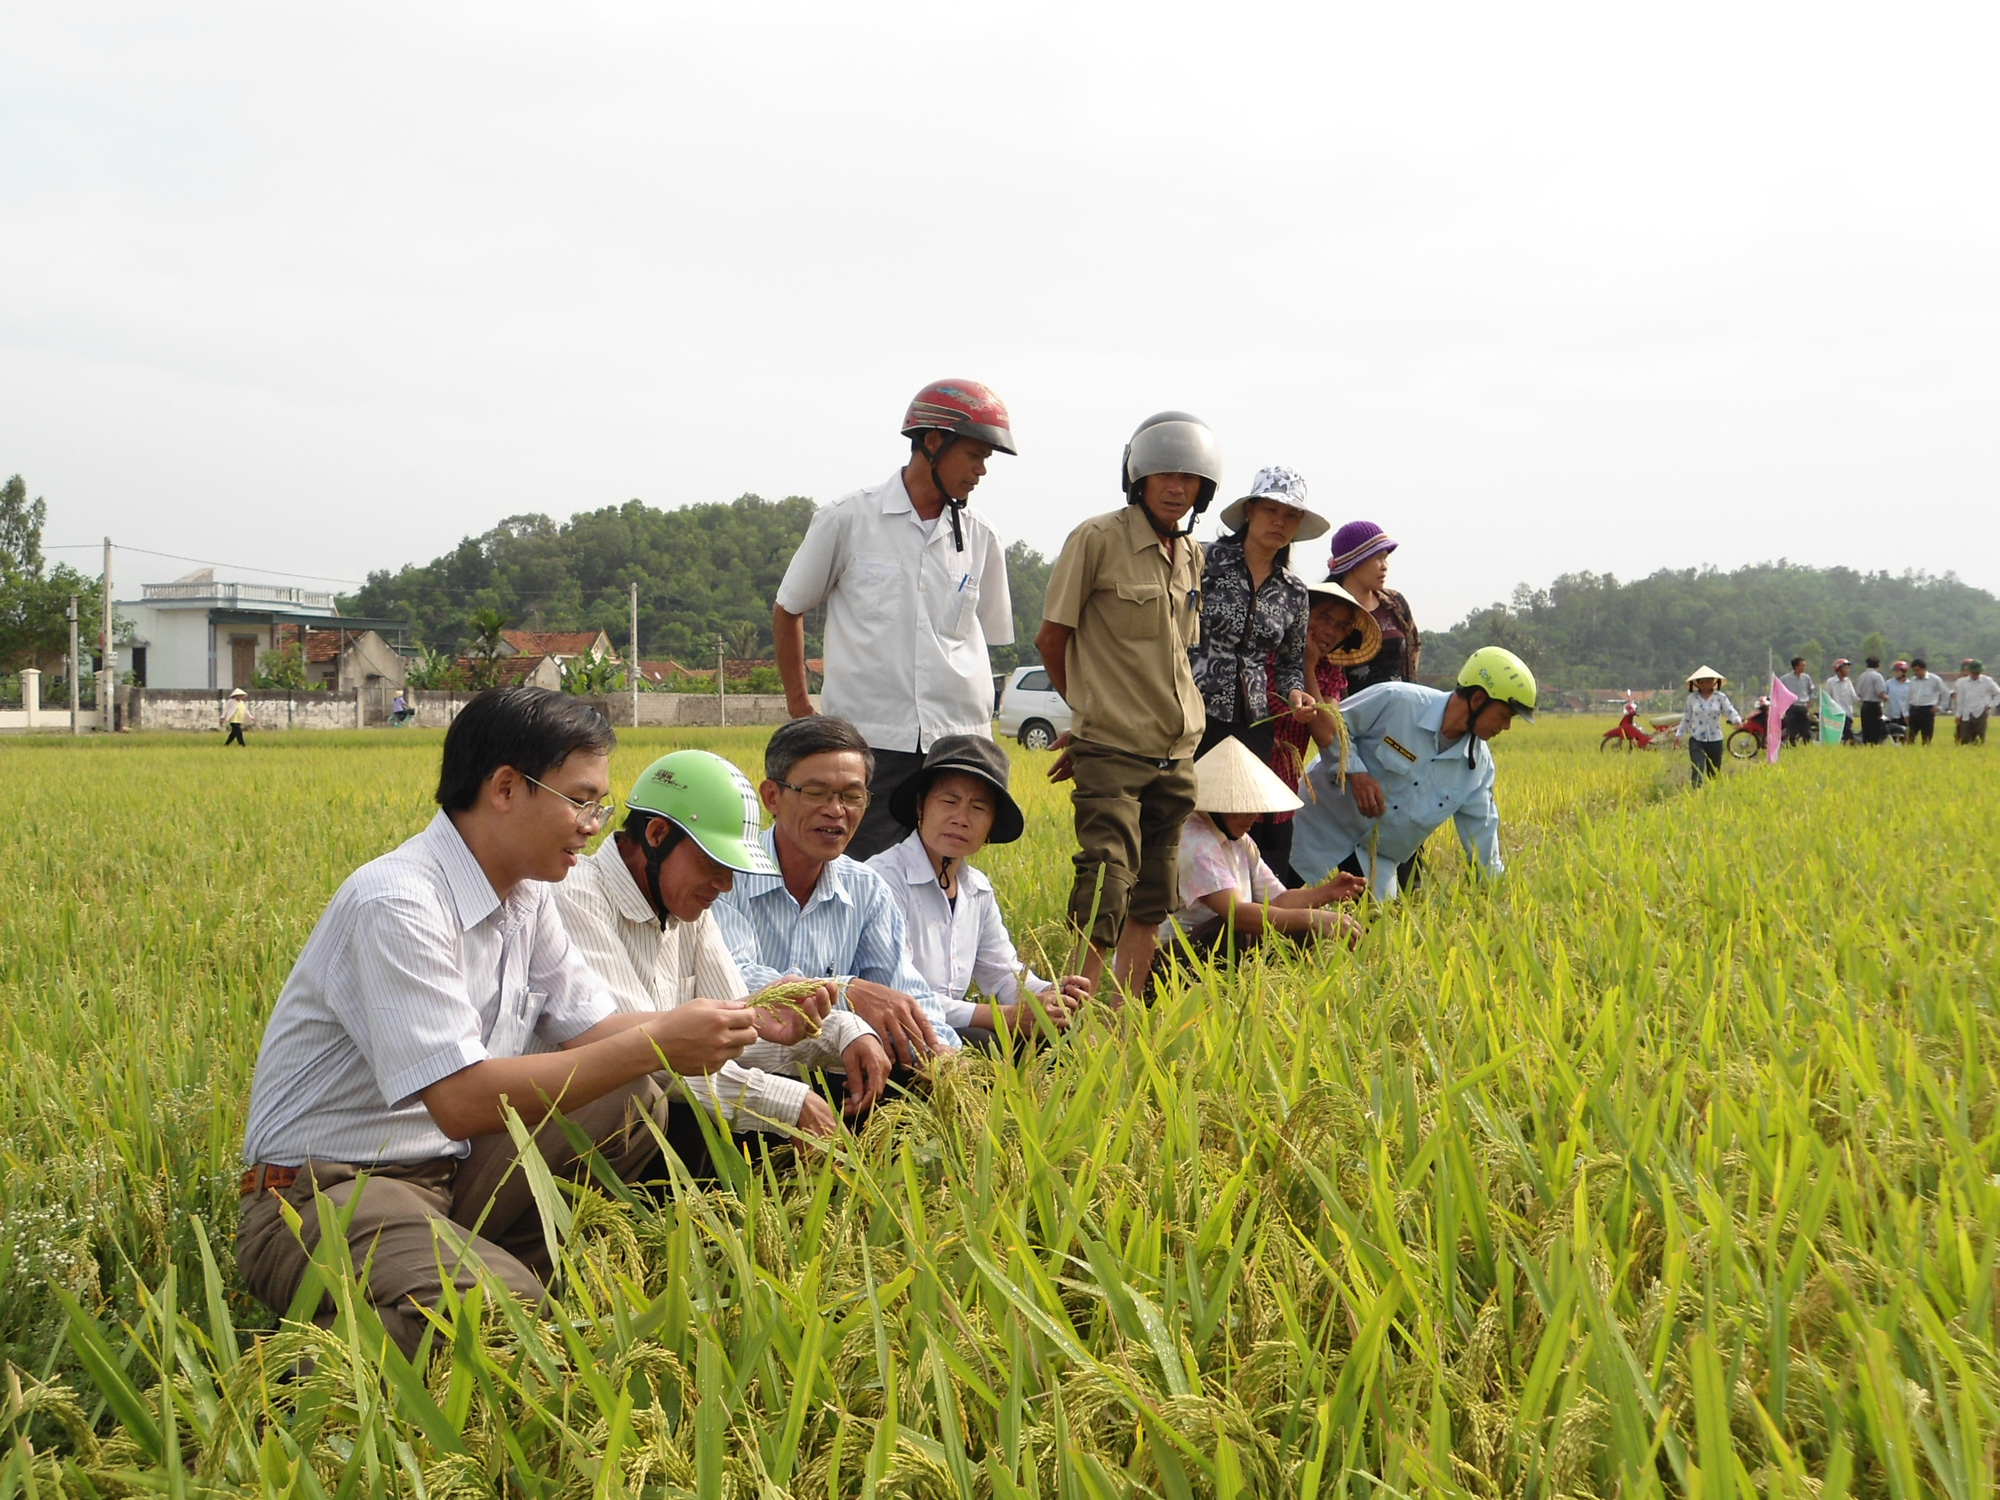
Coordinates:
(207, 562)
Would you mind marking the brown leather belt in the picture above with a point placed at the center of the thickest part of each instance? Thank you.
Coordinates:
(260, 1177)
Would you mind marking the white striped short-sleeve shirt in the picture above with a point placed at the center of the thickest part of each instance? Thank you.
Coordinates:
(415, 971)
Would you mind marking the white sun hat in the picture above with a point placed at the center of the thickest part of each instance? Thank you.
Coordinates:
(1287, 487)
(1230, 779)
(1705, 671)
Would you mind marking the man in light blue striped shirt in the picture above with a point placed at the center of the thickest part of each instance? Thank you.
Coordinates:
(827, 916)
(402, 1035)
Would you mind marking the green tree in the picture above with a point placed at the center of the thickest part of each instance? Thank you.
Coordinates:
(285, 669)
(488, 644)
(1591, 629)
(592, 676)
(434, 671)
(34, 598)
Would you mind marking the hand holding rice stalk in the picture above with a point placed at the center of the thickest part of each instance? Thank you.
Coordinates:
(1341, 741)
(787, 995)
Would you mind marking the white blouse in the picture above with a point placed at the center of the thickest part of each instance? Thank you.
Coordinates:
(954, 945)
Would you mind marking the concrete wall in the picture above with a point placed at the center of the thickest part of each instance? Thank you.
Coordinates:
(199, 709)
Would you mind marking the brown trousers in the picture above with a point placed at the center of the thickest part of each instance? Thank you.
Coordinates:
(411, 1218)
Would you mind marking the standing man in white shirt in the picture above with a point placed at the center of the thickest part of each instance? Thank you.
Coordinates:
(915, 589)
(1927, 696)
(403, 1034)
(1974, 696)
(1840, 688)
(638, 911)
(1871, 691)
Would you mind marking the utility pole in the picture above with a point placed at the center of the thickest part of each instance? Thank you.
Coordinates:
(75, 701)
(632, 665)
(107, 676)
(721, 708)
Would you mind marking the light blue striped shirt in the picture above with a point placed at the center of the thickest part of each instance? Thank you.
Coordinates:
(850, 926)
(415, 970)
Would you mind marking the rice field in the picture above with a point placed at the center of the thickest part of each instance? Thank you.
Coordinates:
(1665, 1166)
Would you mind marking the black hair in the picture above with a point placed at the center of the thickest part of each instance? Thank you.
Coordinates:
(1798, 661)
(1283, 558)
(814, 735)
(1918, 661)
(1872, 661)
(532, 729)
(634, 828)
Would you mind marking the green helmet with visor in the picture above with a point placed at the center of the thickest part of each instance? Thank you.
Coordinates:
(710, 801)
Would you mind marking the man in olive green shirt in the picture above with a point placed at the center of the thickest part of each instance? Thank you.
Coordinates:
(1122, 609)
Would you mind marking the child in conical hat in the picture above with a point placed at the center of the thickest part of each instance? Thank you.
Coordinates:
(1231, 898)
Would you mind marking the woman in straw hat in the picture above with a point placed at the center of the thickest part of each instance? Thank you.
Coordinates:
(1232, 897)
(235, 717)
(1701, 723)
(956, 805)
(1339, 634)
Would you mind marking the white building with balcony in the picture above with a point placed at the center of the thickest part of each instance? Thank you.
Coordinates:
(200, 632)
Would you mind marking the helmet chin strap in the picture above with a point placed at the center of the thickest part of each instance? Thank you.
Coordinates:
(1169, 532)
(952, 504)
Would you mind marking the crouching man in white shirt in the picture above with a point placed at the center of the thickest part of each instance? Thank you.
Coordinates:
(638, 910)
(405, 1032)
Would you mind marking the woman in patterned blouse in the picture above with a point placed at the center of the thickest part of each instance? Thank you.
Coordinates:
(1701, 724)
(1250, 662)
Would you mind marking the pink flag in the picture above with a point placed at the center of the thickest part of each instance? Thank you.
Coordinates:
(1782, 698)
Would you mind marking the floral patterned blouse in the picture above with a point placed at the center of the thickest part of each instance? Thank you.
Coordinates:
(1250, 640)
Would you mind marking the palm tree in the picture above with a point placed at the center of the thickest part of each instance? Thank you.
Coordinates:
(489, 641)
(742, 638)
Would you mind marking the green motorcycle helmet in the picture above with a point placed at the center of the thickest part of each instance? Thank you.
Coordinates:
(710, 801)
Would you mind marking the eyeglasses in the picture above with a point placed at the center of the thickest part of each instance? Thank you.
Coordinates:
(590, 816)
(853, 798)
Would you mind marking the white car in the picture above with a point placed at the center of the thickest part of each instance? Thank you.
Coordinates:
(1031, 709)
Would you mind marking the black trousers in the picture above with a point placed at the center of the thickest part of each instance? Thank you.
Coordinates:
(235, 737)
(879, 829)
(1873, 730)
(1972, 731)
(1923, 724)
(1705, 756)
(1798, 725)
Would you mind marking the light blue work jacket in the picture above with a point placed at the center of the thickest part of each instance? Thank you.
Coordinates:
(1394, 729)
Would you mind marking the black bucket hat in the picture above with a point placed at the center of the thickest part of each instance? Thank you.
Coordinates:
(975, 755)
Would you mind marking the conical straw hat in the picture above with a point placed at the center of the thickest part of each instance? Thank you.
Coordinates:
(1232, 780)
(1706, 671)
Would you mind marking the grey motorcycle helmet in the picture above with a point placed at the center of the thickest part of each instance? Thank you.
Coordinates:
(1173, 442)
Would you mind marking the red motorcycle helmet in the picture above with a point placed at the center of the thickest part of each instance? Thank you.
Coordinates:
(963, 408)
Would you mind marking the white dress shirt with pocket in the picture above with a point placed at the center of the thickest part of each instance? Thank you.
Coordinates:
(954, 945)
(908, 616)
(415, 971)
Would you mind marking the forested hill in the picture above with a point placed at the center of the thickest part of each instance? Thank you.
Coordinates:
(702, 571)
(1588, 630)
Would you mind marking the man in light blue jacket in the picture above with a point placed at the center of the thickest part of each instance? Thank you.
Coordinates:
(1417, 757)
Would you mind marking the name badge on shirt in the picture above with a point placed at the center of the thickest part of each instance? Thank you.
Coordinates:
(1391, 741)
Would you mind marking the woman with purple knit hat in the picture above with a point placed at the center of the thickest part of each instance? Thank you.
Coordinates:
(1360, 564)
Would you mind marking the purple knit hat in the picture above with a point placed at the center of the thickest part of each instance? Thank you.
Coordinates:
(1354, 544)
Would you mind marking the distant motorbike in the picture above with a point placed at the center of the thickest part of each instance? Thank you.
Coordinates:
(1627, 735)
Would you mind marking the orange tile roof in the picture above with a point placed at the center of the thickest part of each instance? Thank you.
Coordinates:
(552, 642)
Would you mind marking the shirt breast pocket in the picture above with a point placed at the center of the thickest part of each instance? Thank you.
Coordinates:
(520, 1013)
(876, 587)
(1137, 611)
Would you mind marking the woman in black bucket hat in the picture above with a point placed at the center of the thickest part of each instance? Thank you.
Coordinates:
(956, 805)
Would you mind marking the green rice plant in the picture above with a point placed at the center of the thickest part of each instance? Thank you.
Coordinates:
(1667, 1165)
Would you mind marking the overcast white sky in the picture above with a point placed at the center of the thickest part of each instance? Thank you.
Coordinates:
(1538, 288)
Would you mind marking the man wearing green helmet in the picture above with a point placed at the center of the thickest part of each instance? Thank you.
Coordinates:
(638, 911)
(1416, 757)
